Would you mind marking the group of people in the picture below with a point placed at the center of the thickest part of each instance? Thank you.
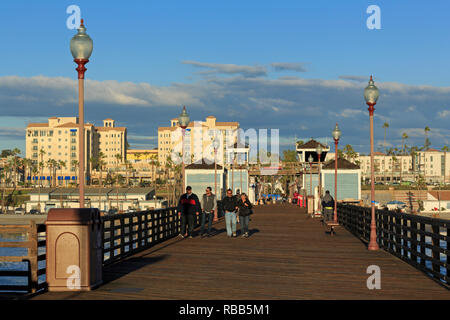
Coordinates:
(237, 210)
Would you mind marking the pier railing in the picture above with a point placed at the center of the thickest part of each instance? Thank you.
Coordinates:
(34, 243)
(421, 241)
(129, 233)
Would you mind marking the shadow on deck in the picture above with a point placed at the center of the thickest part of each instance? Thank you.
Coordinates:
(288, 256)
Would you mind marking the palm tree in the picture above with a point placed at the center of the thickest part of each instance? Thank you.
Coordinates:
(15, 152)
(427, 143)
(169, 165)
(3, 177)
(394, 162)
(61, 165)
(41, 169)
(404, 137)
(75, 165)
(27, 164)
(34, 172)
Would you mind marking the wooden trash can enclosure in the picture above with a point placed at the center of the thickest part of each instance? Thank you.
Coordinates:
(74, 249)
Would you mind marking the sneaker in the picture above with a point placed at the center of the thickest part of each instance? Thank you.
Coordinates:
(181, 236)
(234, 234)
(246, 235)
(190, 237)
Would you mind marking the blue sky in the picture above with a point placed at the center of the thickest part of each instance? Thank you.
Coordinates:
(294, 65)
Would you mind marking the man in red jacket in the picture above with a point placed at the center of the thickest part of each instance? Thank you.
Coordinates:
(187, 207)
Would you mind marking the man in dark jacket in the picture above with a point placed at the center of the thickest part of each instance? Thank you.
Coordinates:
(209, 209)
(328, 206)
(229, 204)
(187, 207)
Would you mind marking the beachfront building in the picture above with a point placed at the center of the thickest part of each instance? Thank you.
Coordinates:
(53, 147)
(198, 140)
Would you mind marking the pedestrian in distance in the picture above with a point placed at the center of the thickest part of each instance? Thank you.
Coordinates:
(188, 206)
(245, 210)
(229, 203)
(328, 206)
(209, 211)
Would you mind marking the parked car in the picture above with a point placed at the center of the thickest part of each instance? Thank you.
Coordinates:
(34, 211)
(19, 211)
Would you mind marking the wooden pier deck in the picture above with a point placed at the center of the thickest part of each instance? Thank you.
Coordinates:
(287, 256)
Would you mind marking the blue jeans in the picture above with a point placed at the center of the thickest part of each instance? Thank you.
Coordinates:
(243, 221)
(230, 222)
(203, 220)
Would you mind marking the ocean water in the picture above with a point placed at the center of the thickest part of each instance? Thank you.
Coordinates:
(17, 266)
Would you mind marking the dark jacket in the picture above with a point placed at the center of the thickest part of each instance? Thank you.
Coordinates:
(189, 205)
(328, 201)
(229, 203)
(244, 210)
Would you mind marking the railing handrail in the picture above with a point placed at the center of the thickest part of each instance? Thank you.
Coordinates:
(32, 243)
(405, 236)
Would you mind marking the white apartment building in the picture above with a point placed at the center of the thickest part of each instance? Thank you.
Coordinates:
(198, 139)
(432, 164)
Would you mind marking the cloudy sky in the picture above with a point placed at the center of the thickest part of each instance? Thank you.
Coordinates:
(296, 66)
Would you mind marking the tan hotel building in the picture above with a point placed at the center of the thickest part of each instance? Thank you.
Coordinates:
(58, 139)
(170, 137)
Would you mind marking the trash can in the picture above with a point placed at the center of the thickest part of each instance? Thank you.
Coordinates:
(74, 249)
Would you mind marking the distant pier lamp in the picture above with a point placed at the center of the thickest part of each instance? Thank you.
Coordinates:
(336, 136)
(319, 151)
(215, 145)
(81, 46)
(371, 95)
(183, 120)
(310, 160)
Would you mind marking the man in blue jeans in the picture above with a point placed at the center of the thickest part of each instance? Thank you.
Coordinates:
(230, 207)
(209, 211)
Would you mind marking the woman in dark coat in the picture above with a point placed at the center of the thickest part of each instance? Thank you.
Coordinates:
(245, 210)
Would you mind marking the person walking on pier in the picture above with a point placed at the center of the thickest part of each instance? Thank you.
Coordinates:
(230, 207)
(245, 210)
(209, 210)
(328, 206)
(187, 207)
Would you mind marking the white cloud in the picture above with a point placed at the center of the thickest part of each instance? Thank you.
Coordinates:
(289, 66)
(444, 113)
(219, 68)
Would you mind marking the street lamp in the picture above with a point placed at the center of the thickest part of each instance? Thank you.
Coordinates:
(81, 46)
(371, 95)
(336, 135)
(183, 120)
(216, 144)
(319, 153)
(310, 160)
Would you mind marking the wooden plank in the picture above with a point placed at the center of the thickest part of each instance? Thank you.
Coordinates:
(15, 244)
(287, 256)
(13, 259)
